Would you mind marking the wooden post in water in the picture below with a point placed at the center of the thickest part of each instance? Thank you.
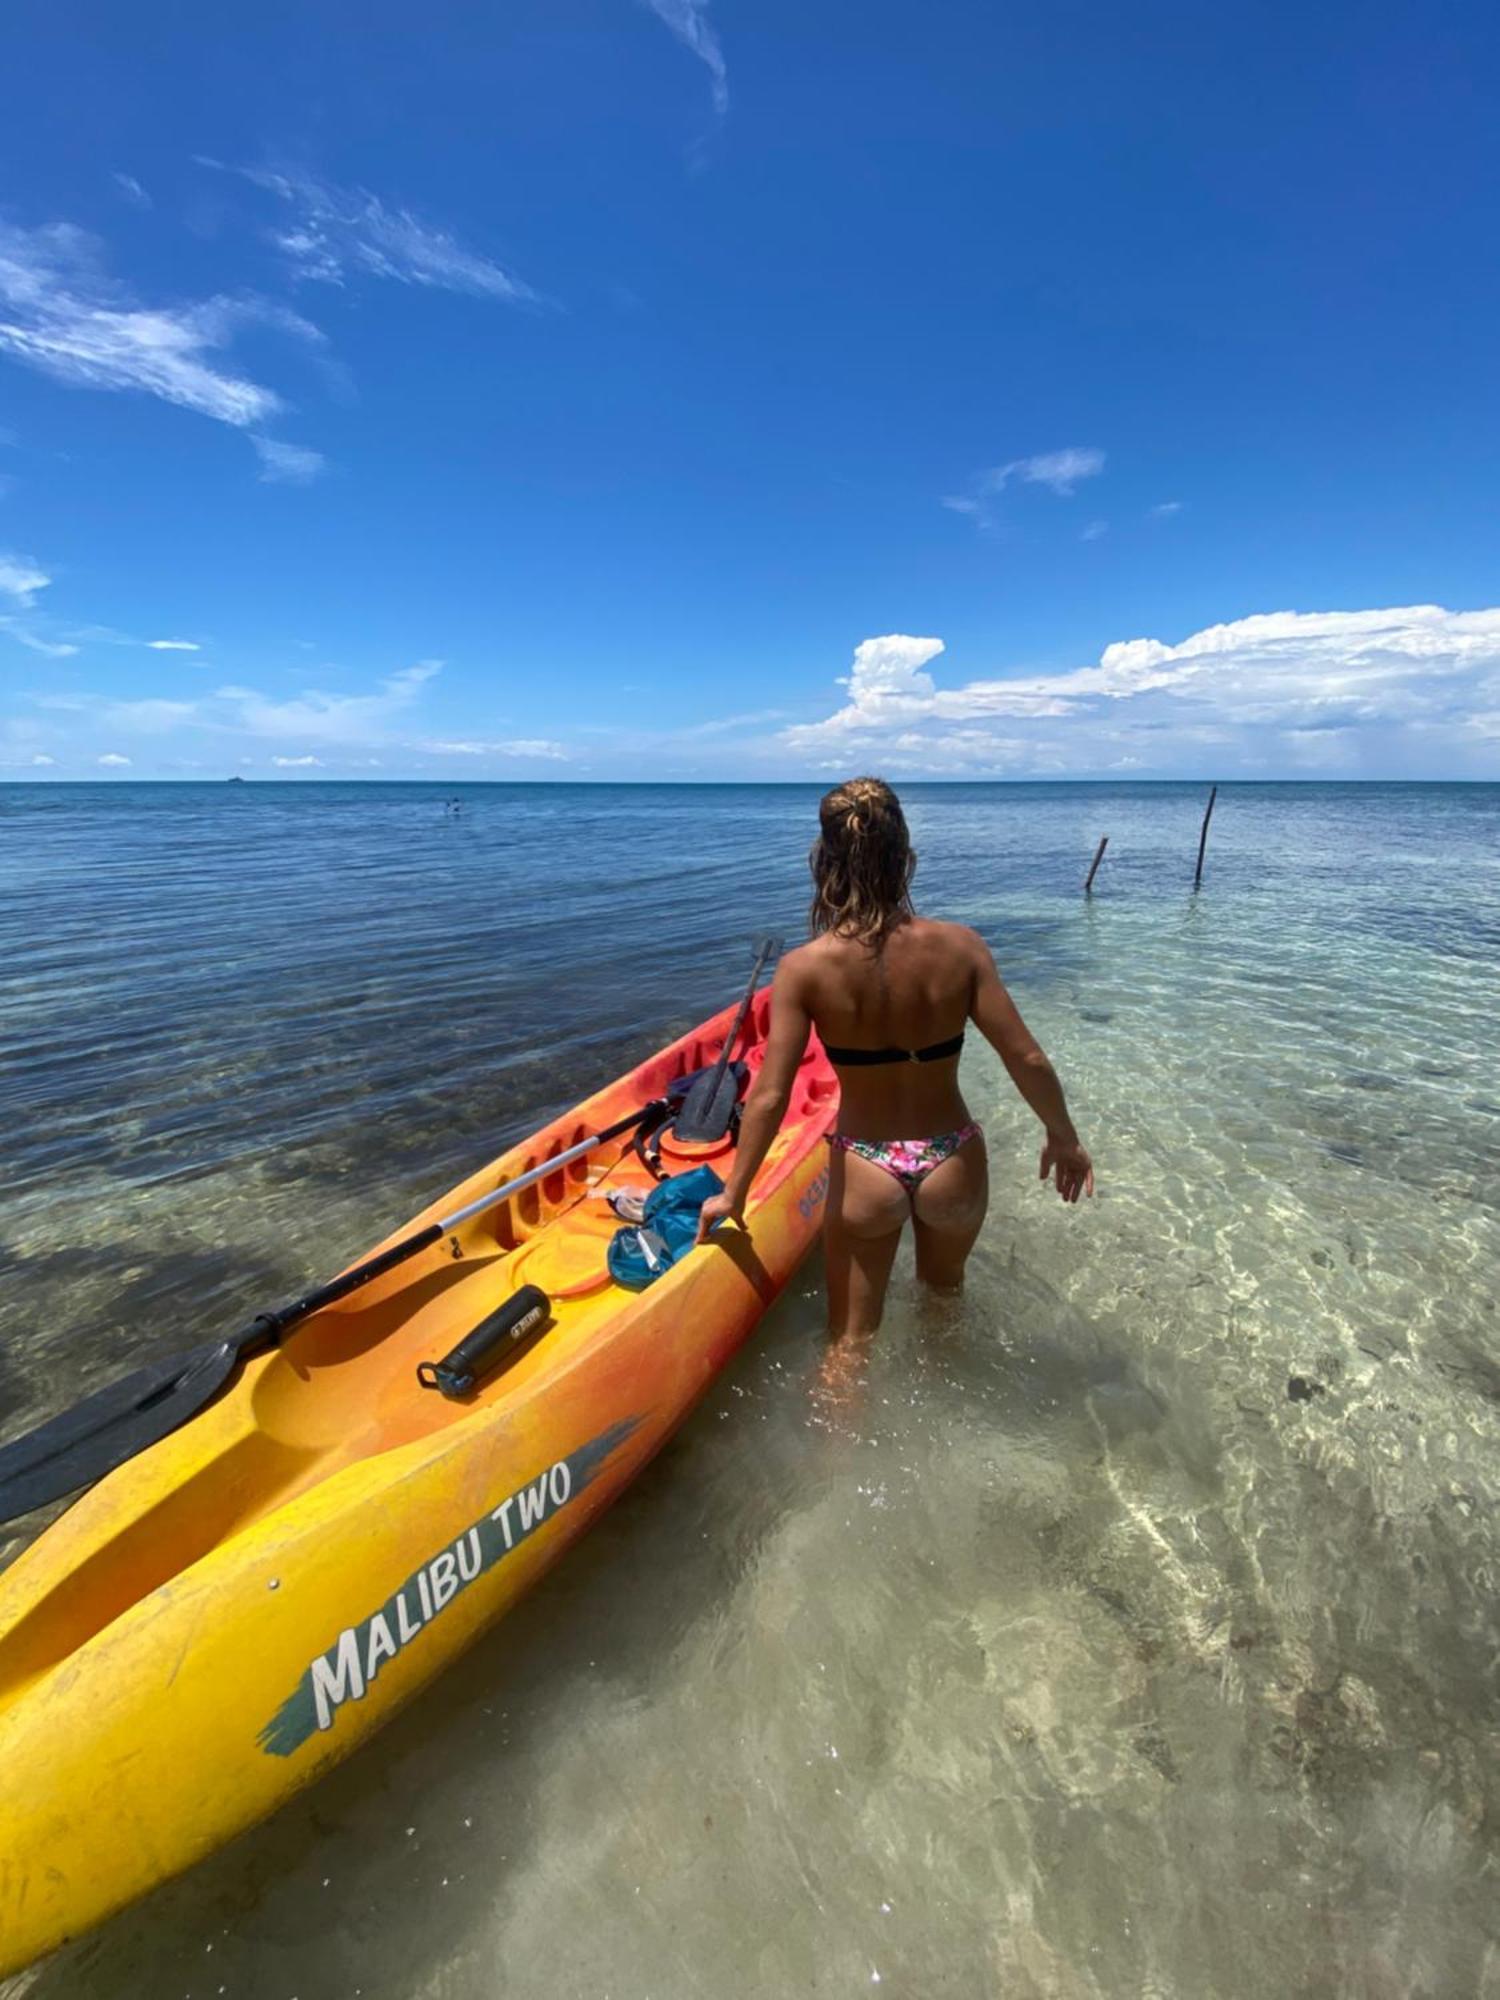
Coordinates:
(1213, 793)
(1098, 857)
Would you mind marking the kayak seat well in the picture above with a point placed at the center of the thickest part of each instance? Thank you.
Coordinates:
(147, 1550)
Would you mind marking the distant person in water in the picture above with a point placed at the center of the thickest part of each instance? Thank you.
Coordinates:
(890, 994)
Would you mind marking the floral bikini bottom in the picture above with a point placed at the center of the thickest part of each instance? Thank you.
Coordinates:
(910, 1161)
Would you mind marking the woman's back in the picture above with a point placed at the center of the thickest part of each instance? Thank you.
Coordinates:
(912, 992)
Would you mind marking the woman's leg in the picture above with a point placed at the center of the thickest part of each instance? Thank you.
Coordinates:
(948, 1212)
(862, 1224)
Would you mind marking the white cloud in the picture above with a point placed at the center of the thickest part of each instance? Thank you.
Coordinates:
(132, 190)
(335, 231)
(21, 578)
(1165, 509)
(329, 720)
(287, 464)
(1094, 531)
(1256, 687)
(1059, 471)
(24, 635)
(39, 760)
(688, 21)
(62, 315)
(512, 746)
(113, 761)
(174, 645)
(297, 763)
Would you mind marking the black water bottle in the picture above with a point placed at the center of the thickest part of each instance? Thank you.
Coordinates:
(458, 1373)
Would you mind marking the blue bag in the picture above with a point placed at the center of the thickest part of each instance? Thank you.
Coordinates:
(670, 1221)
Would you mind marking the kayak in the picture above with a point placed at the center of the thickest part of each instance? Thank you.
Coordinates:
(235, 1610)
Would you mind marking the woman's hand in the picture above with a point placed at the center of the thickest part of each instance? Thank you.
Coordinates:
(719, 1208)
(1070, 1162)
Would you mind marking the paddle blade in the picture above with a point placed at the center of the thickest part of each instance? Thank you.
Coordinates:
(709, 1105)
(82, 1444)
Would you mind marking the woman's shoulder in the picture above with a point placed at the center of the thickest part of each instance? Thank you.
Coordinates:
(941, 935)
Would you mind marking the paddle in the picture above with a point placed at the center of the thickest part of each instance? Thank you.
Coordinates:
(82, 1444)
(709, 1105)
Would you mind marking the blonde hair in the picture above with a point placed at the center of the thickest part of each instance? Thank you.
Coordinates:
(861, 862)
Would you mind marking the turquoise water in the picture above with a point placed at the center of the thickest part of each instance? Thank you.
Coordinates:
(1049, 1647)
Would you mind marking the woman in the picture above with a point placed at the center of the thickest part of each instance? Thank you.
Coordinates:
(890, 993)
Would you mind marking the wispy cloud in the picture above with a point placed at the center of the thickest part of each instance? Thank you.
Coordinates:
(297, 763)
(335, 720)
(174, 646)
(36, 642)
(287, 464)
(1165, 509)
(61, 314)
(509, 746)
(311, 726)
(1405, 688)
(132, 190)
(688, 21)
(21, 578)
(113, 761)
(335, 232)
(1095, 531)
(1060, 472)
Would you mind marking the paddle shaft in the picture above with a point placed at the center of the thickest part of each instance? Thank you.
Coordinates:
(716, 1077)
(269, 1324)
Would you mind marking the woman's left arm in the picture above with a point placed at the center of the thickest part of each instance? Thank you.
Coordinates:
(771, 1092)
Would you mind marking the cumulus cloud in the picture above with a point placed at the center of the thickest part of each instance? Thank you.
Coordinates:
(688, 21)
(1394, 685)
(1059, 471)
(334, 232)
(112, 761)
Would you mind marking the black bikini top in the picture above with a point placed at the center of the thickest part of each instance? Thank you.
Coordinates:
(865, 1058)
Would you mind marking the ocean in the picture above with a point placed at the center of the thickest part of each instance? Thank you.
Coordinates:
(1131, 1630)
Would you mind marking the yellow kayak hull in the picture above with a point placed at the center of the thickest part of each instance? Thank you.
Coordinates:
(231, 1613)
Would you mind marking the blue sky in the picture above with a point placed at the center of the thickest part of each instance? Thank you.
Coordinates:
(634, 388)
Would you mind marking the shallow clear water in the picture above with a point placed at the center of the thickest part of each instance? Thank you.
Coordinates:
(1048, 1647)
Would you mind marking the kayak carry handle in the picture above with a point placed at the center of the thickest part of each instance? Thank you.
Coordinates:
(459, 1372)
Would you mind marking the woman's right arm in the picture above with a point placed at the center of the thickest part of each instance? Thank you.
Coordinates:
(998, 1019)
